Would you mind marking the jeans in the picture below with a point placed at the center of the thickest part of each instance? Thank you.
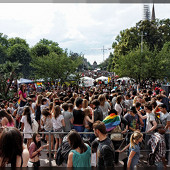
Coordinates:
(79, 129)
(86, 135)
(159, 165)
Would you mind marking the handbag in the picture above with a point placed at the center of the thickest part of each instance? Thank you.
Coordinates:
(35, 126)
(116, 134)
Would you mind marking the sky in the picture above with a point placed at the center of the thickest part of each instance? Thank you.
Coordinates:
(82, 28)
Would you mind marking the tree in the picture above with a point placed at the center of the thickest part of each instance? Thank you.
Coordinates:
(53, 66)
(20, 53)
(7, 75)
(3, 54)
(4, 40)
(155, 34)
(164, 61)
(17, 40)
(138, 65)
(40, 50)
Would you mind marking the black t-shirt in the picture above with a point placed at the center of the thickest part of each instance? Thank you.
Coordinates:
(78, 117)
(105, 153)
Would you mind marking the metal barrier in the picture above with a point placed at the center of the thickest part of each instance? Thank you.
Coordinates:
(51, 133)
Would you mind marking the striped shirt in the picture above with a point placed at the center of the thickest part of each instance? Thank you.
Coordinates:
(158, 146)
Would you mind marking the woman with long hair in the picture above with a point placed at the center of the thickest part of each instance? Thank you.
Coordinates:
(134, 149)
(118, 106)
(46, 122)
(38, 109)
(104, 105)
(80, 156)
(22, 95)
(12, 150)
(35, 149)
(26, 125)
(58, 125)
(88, 121)
(6, 119)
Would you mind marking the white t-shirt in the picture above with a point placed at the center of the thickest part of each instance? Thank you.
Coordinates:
(164, 118)
(118, 108)
(57, 122)
(27, 127)
(150, 118)
(105, 109)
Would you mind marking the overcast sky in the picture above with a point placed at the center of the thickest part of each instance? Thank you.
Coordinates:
(82, 28)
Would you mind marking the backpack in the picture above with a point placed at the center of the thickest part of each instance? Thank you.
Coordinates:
(35, 126)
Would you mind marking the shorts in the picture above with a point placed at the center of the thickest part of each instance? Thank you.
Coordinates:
(58, 135)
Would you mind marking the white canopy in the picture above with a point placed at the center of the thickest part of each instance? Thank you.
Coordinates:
(126, 79)
(23, 81)
(102, 78)
(86, 81)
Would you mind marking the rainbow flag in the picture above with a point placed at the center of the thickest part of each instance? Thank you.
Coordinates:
(19, 101)
(111, 121)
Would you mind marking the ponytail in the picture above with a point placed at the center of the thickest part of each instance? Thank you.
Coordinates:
(135, 137)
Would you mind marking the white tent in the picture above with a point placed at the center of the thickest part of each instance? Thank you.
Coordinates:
(126, 79)
(24, 81)
(102, 78)
(86, 81)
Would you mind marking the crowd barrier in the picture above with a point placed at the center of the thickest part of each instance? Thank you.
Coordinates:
(51, 133)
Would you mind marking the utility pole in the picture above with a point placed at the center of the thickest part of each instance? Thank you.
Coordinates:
(104, 50)
(142, 42)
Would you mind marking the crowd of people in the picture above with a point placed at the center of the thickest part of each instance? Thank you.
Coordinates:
(139, 113)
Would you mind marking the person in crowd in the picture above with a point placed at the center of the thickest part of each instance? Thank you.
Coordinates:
(98, 114)
(165, 120)
(38, 109)
(134, 149)
(105, 151)
(104, 105)
(6, 119)
(128, 102)
(70, 108)
(46, 122)
(133, 119)
(22, 95)
(68, 118)
(118, 105)
(26, 125)
(44, 104)
(34, 150)
(88, 121)
(85, 104)
(12, 151)
(158, 146)
(58, 126)
(150, 118)
(80, 155)
(78, 116)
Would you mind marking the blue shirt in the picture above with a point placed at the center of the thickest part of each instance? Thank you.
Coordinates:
(135, 159)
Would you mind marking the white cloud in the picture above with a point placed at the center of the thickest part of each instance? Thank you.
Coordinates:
(77, 27)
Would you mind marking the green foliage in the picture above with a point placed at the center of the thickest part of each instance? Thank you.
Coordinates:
(20, 53)
(53, 66)
(4, 40)
(40, 50)
(17, 40)
(3, 54)
(7, 75)
(144, 65)
(155, 34)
